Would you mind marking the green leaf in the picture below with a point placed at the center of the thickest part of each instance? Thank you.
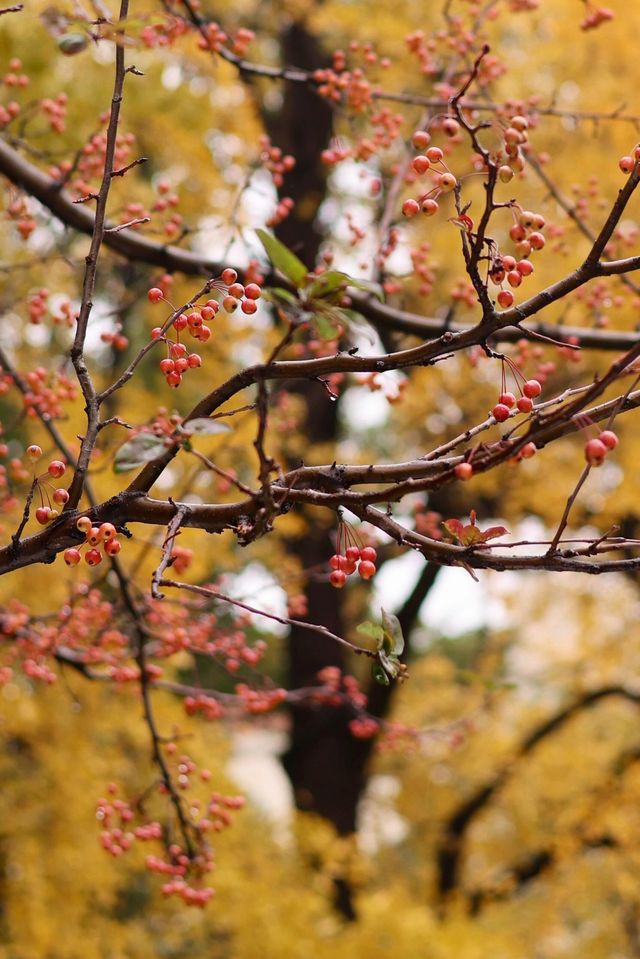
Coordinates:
(204, 426)
(368, 286)
(394, 640)
(283, 259)
(277, 294)
(373, 631)
(380, 674)
(326, 284)
(137, 451)
(325, 327)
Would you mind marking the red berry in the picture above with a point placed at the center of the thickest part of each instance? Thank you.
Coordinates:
(252, 291)
(626, 164)
(434, 154)
(368, 554)
(194, 360)
(182, 365)
(609, 438)
(249, 307)
(107, 531)
(60, 496)
(528, 450)
(92, 557)
(236, 289)
(595, 452)
(229, 276)
(174, 380)
(429, 207)
(84, 524)
(155, 294)
(353, 553)
(72, 556)
(525, 404)
(112, 547)
(156, 332)
(464, 471)
(34, 452)
(505, 299)
(420, 139)
(421, 164)
(366, 569)
(508, 399)
(536, 241)
(410, 208)
(230, 304)
(524, 267)
(167, 366)
(500, 412)
(514, 278)
(532, 389)
(56, 469)
(336, 561)
(338, 578)
(43, 515)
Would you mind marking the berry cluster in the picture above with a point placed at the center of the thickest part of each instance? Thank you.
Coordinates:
(529, 390)
(443, 179)
(104, 536)
(595, 450)
(514, 139)
(355, 557)
(45, 513)
(179, 360)
(595, 17)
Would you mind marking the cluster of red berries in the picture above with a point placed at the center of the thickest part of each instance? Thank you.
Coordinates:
(179, 360)
(443, 179)
(104, 536)
(45, 513)
(273, 160)
(595, 450)
(355, 557)
(514, 139)
(39, 308)
(595, 17)
(47, 392)
(530, 390)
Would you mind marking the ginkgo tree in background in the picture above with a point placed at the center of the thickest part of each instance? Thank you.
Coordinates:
(224, 239)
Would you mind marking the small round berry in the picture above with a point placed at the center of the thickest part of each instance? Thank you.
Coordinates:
(228, 276)
(500, 412)
(94, 536)
(368, 554)
(174, 380)
(609, 438)
(525, 404)
(230, 304)
(335, 561)
(112, 547)
(338, 578)
(84, 524)
(447, 182)
(536, 241)
(249, 307)
(194, 360)
(463, 471)
(156, 332)
(72, 556)
(92, 557)
(429, 207)
(451, 127)
(155, 294)
(177, 350)
(524, 267)
(505, 173)
(420, 139)
(626, 164)
(56, 468)
(595, 452)
(60, 496)
(410, 208)
(167, 366)
(508, 399)
(182, 365)
(236, 289)
(505, 299)
(528, 450)
(34, 453)
(420, 164)
(252, 291)
(514, 278)
(43, 515)
(353, 553)
(434, 154)
(532, 389)
(366, 569)
(108, 531)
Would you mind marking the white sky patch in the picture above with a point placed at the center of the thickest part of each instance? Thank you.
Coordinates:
(363, 410)
(255, 586)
